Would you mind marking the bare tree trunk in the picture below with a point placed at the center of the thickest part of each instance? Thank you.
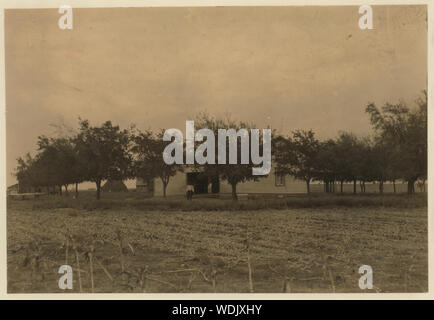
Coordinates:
(165, 181)
(66, 190)
(355, 186)
(410, 186)
(60, 189)
(362, 186)
(381, 187)
(76, 189)
(234, 192)
(98, 189)
(164, 189)
(394, 186)
(308, 186)
(342, 186)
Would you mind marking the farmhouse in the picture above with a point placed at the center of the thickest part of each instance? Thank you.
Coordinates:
(173, 153)
(274, 183)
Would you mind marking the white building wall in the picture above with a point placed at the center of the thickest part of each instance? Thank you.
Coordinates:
(268, 185)
(178, 183)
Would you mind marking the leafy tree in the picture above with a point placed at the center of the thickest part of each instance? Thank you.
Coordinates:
(298, 156)
(148, 158)
(382, 165)
(58, 162)
(232, 173)
(366, 162)
(348, 159)
(25, 173)
(103, 153)
(55, 165)
(327, 165)
(67, 134)
(405, 131)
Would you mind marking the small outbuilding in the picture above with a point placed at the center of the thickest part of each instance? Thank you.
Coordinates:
(114, 186)
(13, 189)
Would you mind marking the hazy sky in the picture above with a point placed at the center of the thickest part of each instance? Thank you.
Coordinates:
(287, 67)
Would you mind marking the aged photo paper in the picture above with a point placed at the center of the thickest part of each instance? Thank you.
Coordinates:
(223, 149)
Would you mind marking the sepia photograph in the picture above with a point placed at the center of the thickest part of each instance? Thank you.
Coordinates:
(217, 149)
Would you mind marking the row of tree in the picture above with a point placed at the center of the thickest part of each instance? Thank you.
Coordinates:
(397, 151)
(93, 154)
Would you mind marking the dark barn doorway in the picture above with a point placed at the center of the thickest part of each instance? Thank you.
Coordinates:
(215, 185)
(199, 181)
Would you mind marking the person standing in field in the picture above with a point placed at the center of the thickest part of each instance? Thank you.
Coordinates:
(190, 192)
